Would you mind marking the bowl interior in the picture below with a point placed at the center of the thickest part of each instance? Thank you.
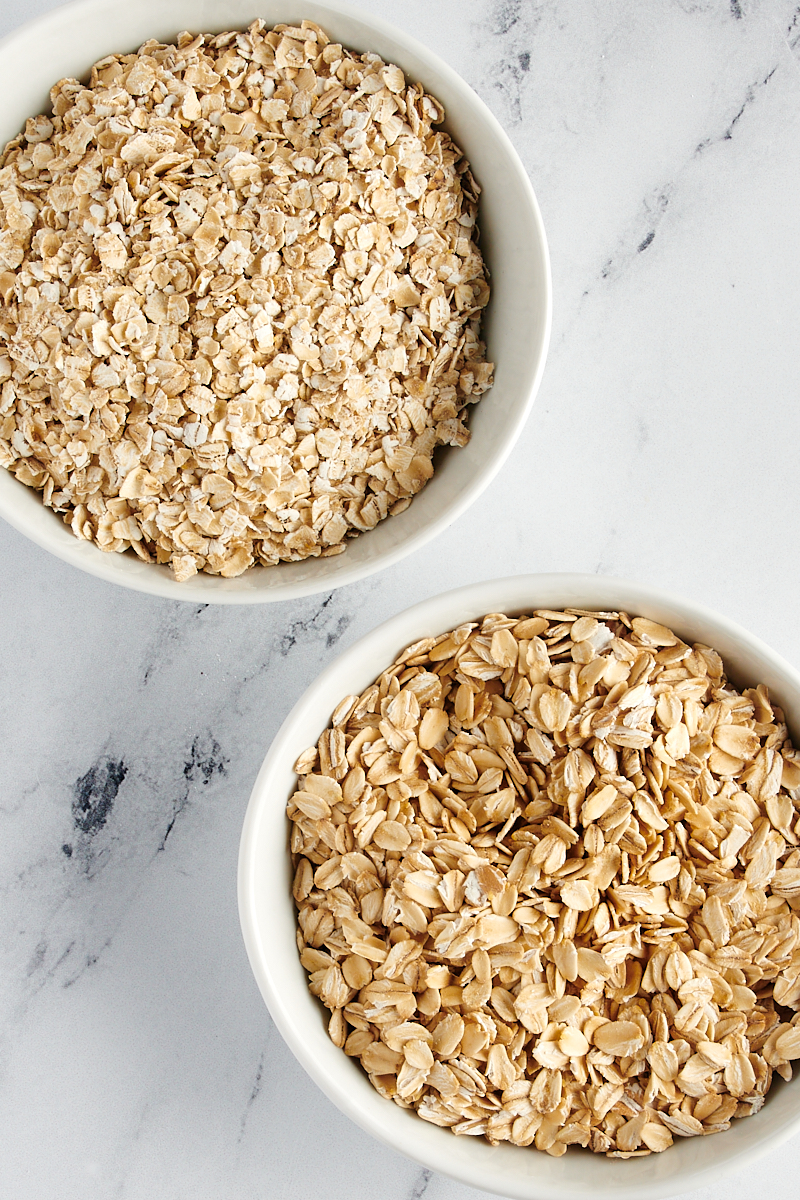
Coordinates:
(70, 39)
(268, 917)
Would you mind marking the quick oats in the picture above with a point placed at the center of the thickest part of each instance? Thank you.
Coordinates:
(241, 295)
(547, 875)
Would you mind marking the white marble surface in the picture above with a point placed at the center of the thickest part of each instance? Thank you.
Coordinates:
(136, 1057)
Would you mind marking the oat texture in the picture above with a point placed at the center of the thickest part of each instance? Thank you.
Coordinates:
(548, 884)
(241, 298)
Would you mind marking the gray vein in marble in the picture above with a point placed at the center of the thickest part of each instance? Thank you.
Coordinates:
(506, 17)
(421, 1183)
(512, 25)
(654, 207)
(254, 1094)
(794, 29)
(205, 760)
(123, 808)
(89, 961)
(101, 834)
(750, 96)
(299, 628)
(177, 622)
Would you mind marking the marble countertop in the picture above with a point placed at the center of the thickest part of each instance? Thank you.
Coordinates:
(137, 1059)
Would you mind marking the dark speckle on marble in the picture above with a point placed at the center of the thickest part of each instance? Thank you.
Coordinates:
(298, 628)
(88, 961)
(205, 761)
(507, 80)
(303, 625)
(793, 32)
(736, 10)
(510, 32)
(507, 17)
(654, 207)
(333, 635)
(95, 793)
(421, 1184)
(254, 1094)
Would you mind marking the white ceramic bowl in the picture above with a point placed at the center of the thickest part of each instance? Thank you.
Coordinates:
(268, 917)
(68, 40)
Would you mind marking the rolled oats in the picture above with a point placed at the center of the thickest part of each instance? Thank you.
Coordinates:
(242, 298)
(533, 917)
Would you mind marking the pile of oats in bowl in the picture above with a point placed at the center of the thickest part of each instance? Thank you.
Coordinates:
(547, 874)
(242, 295)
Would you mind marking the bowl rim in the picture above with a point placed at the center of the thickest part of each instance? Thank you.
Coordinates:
(402, 629)
(153, 579)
